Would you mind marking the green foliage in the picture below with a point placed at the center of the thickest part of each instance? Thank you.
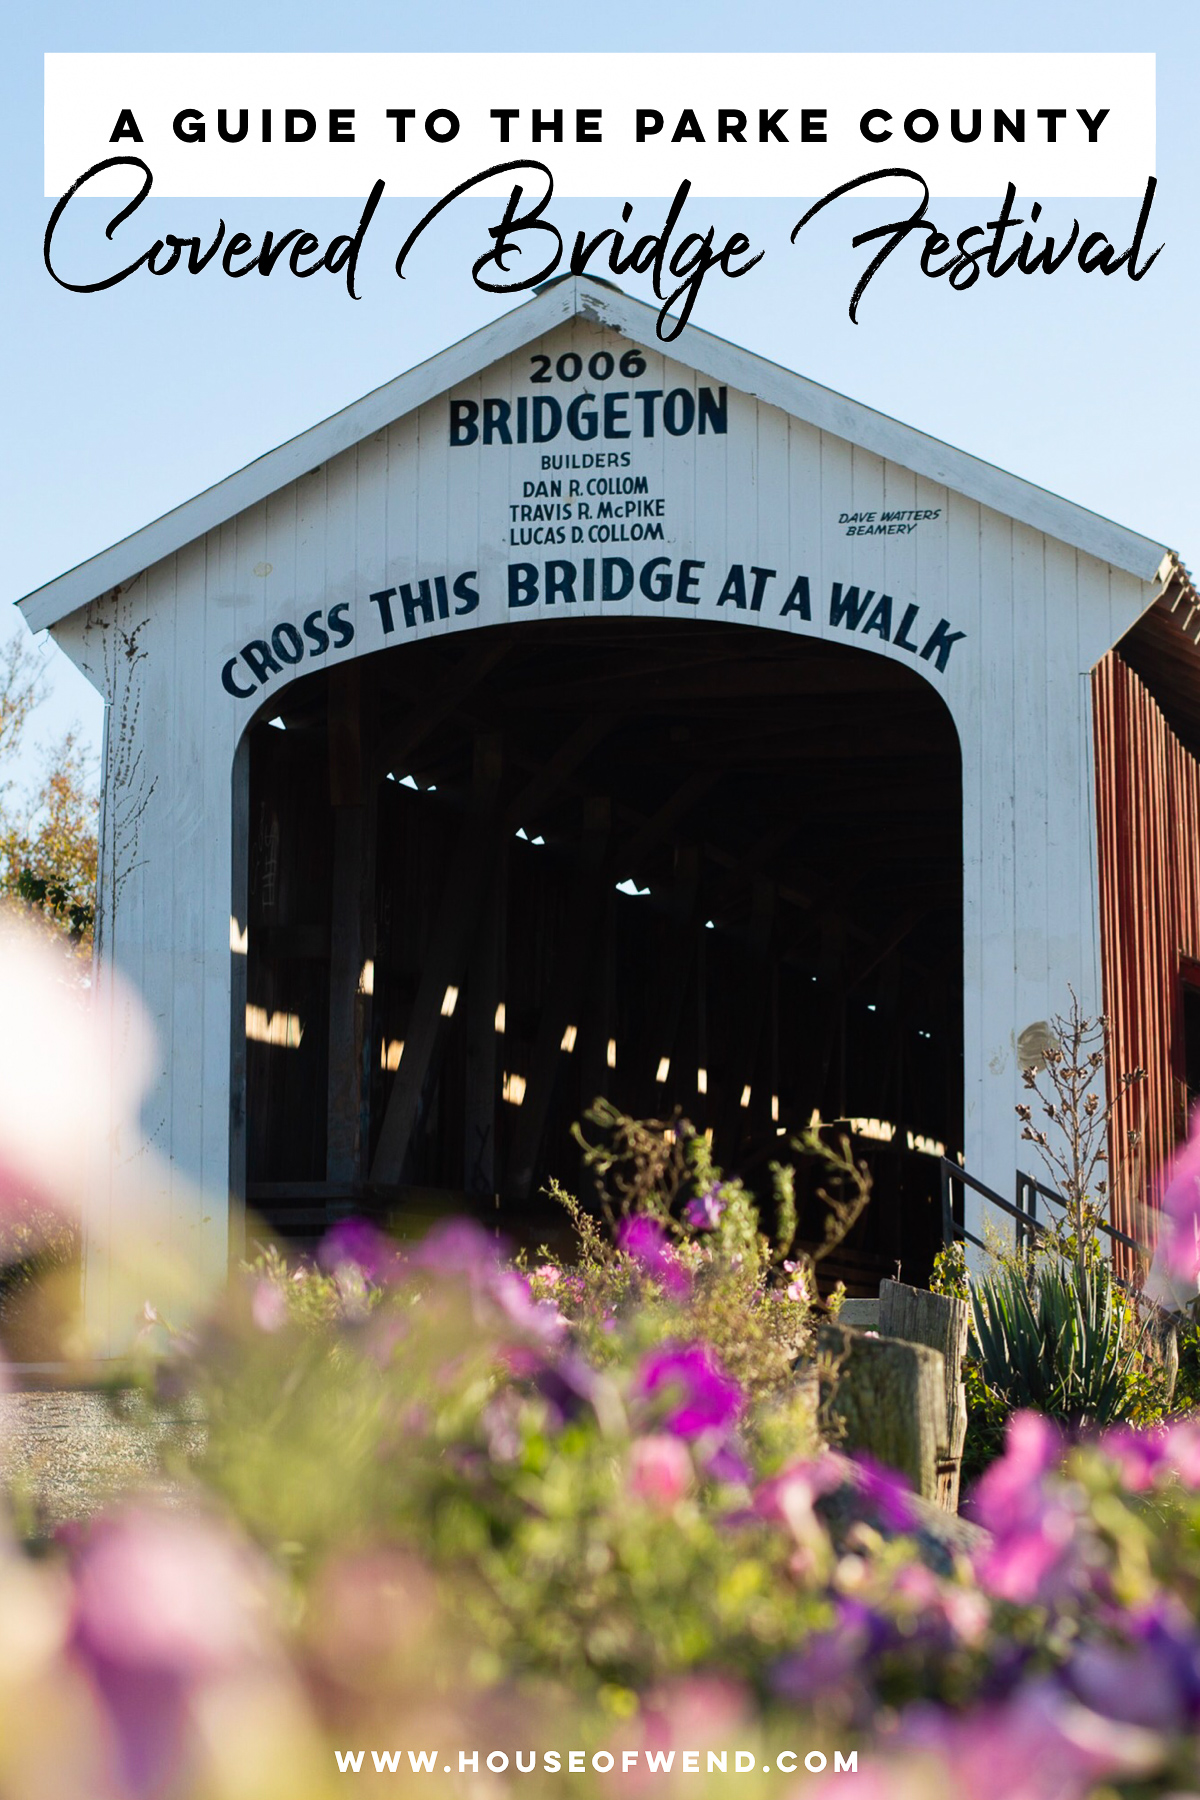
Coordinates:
(49, 841)
(950, 1272)
(1057, 1339)
(1186, 1397)
(305, 1295)
(988, 1414)
(53, 898)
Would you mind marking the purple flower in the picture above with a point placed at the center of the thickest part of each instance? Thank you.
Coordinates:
(788, 1498)
(458, 1247)
(1128, 1685)
(1033, 1527)
(645, 1242)
(688, 1378)
(704, 1212)
(1041, 1745)
(1183, 1451)
(886, 1491)
(164, 1604)
(1180, 1241)
(567, 1385)
(1010, 1491)
(363, 1246)
(831, 1663)
(726, 1463)
(538, 1319)
(1139, 1455)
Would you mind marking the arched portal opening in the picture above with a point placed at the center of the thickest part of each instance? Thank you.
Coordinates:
(493, 875)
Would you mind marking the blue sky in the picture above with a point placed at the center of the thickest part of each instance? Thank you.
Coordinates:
(120, 405)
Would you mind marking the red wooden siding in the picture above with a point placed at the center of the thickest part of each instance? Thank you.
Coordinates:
(1148, 806)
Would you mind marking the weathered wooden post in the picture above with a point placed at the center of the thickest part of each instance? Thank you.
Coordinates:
(890, 1401)
(941, 1322)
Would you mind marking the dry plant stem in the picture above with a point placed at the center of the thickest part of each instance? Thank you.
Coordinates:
(1068, 1089)
(637, 1160)
(850, 1182)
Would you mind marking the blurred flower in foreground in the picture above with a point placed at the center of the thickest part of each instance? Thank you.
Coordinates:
(1039, 1746)
(268, 1306)
(660, 1470)
(68, 1085)
(1029, 1514)
(1175, 1274)
(164, 1606)
(459, 1247)
(1153, 1680)
(886, 1493)
(73, 1073)
(357, 1244)
(689, 1381)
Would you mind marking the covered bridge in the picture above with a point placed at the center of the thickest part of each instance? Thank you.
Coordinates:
(577, 715)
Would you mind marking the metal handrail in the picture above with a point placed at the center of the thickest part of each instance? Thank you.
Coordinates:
(1028, 1223)
(951, 1229)
(1033, 1186)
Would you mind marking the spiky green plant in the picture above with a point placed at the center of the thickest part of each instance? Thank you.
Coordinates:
(1057, 1338)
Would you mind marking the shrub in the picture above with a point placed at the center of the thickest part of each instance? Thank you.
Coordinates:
(1057, 1338)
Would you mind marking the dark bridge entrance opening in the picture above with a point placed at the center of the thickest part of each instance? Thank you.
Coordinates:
(489, 877)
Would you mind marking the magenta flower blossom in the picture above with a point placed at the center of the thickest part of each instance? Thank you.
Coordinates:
(1180, 1241)
(1141, 1456)
(459, 1247)
(704, 1212)
(886, 1492)
(1041, 1745)
(163, 1605)
(539, 1319)
(660, 1470)
(361, 1245)
(645, 1242)
(697, 1393)
(1030, 1562)
(1033, 1527)
(1010, 1490)
(1182, 1441)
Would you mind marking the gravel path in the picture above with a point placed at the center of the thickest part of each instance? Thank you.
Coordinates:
(63, 1454)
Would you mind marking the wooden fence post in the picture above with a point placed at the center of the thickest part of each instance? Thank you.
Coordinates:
(890, 1400)
(941, 1322)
